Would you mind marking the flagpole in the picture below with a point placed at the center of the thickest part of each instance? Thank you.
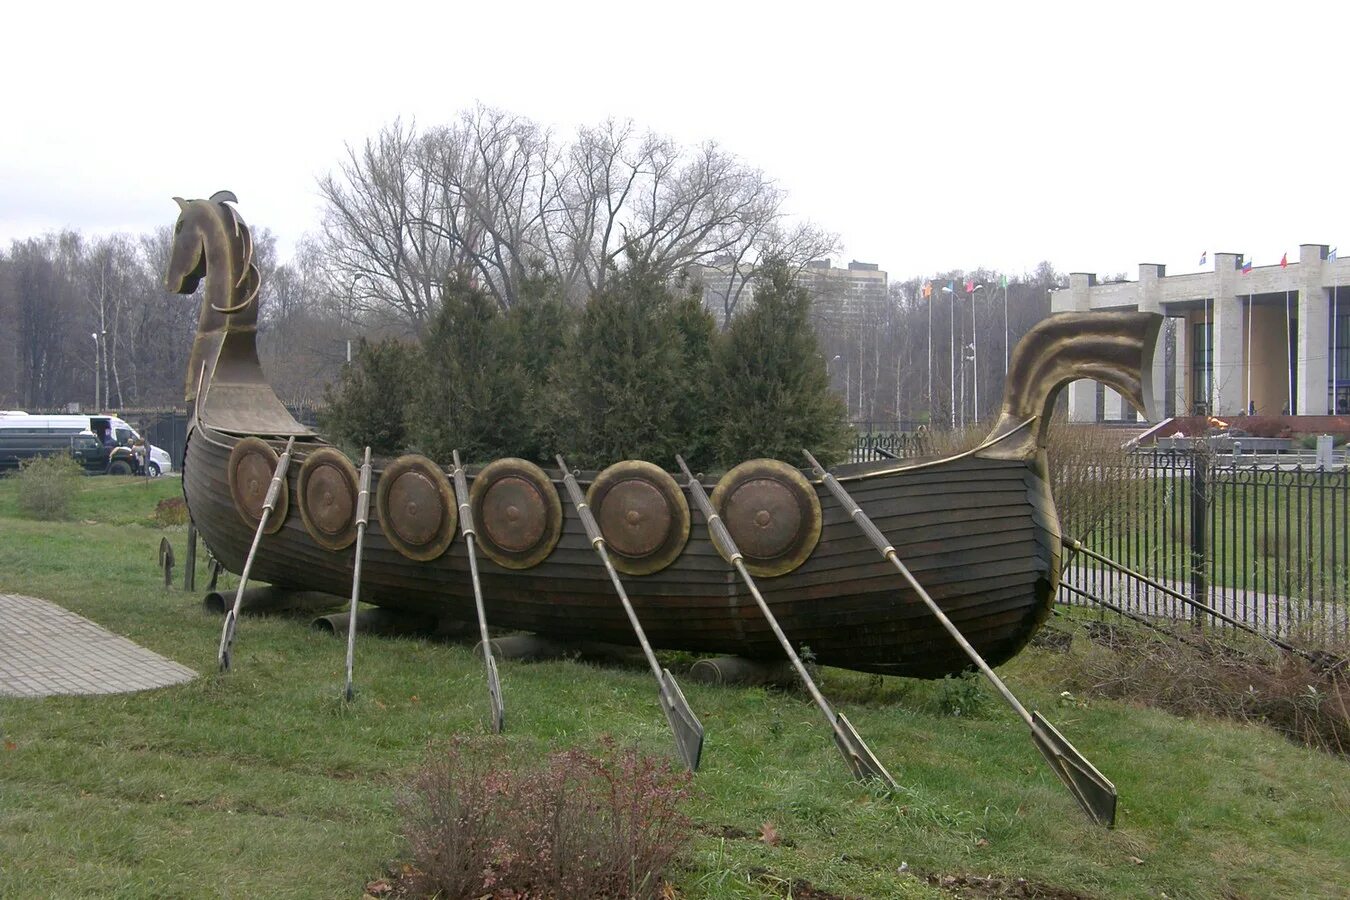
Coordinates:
(1005, 329)
(1289, 350)
(1251, 306)
(974, 361)
(951, 323)
(929, 298)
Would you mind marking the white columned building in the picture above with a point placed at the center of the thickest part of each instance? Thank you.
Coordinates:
(1235, 341)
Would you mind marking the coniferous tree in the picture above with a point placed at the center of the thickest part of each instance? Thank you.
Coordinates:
(368, 406)
(772, 391)
(469, 394)
(624, 390)
(542, 322)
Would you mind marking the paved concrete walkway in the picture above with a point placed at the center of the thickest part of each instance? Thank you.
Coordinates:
(47, 650)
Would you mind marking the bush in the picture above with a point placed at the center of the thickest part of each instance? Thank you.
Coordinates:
(1190, 673)
(470, 395)
(772, 392)
(47, 485)
(170, 512)
(634, 375)
(579, 826)
(369, 405)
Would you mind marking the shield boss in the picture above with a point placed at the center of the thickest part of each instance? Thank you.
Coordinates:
(252, 463)
(772, 513)
(416, 507)
(517, 512)
(642, 514)
(327, 491)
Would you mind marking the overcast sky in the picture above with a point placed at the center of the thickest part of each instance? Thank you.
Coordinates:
(933, 136)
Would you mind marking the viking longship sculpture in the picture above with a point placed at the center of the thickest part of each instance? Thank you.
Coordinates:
(901, 567)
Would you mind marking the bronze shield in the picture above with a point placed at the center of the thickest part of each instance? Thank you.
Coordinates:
(249, 471)
(327, 490)
(773, 515)
(516, 512)
(417, 508)
(642, 514)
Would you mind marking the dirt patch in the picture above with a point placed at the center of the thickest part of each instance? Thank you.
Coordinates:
(796, 888)
(992, 887)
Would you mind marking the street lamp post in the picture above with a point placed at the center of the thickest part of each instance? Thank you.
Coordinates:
(94, 335)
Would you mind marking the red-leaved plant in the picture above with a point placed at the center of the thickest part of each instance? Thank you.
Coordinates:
(580, 825)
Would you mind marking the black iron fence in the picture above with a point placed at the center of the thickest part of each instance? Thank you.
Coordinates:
(1265, 543)
(889, 445)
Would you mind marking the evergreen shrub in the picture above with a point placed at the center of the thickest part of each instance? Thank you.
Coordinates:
(368, 406)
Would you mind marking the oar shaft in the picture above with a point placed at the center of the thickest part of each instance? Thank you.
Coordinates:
(1079, 547)
(598, 543)
(722, 536)
(888, 551)
(362, 519)
(269, 503)
(466, 528)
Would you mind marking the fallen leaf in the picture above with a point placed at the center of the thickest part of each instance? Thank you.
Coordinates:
(769, 834)
(414, 699)
(1136, 860)
(982, 842)
(379, 887)
(10, 745)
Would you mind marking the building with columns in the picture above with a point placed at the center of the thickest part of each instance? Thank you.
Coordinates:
(1271, 340)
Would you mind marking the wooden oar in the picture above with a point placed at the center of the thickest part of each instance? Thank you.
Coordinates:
(466, 528)
(686, 726)
(859, 758)
(362, 517)
(1094, 793)
(269, 503)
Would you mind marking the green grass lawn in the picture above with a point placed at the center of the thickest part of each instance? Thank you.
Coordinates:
(261, 783)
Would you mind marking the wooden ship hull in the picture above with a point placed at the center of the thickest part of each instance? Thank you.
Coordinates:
(978, 530)
(981, 534)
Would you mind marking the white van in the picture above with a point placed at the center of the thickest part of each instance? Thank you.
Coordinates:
(111, 431)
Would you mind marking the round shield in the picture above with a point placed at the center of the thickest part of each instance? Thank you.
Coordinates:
(250, 469)
(517, 513)
(327, 490)
(773, 515)
(417, 508)
(642, 514)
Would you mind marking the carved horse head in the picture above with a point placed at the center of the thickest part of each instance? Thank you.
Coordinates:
(211, 242)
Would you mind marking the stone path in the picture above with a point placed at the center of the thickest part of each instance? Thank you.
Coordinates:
(47, 650)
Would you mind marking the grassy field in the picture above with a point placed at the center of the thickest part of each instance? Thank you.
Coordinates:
(262, 783)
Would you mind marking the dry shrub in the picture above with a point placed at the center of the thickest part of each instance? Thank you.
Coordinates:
(1205, 674)
(579, 826)
(171, 511)
(1086, 468)
(47, 485)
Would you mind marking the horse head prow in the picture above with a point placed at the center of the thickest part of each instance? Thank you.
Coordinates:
(211, 243)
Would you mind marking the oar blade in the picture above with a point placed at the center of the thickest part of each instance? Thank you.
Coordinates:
(1093, 791)
(688, 729)
(860, 759)
(495, 695)
(226, 641)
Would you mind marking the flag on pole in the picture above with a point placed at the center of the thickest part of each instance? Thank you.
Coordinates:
(1284, 261)
(951, 286)
(1204, 257)
(1003, 282)
(927, 289)
(1331, 257)
(1246, 267)
(970, 285)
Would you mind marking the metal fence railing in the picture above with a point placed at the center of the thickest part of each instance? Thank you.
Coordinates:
(889, 445)
(1263, 542)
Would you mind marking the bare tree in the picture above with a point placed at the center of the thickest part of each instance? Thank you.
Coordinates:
(497, 197)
